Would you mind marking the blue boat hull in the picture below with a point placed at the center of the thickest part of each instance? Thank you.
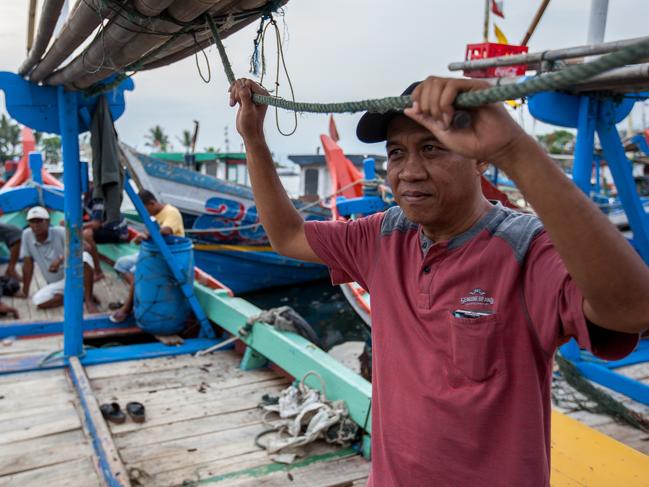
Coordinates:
(248, 271)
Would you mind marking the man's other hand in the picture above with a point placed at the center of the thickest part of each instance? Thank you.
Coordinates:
(141, 236)
(54, 266)
(4, 309)
(250, 117)
(492, 135)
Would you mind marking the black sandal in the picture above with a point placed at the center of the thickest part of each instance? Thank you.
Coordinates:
(112, 412)
(136, 411)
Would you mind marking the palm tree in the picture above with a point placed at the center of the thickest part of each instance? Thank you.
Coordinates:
(186, 141)
(9, 137)
(157, 139)
(51, 148)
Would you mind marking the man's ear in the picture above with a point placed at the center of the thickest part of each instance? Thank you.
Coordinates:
(481, 167)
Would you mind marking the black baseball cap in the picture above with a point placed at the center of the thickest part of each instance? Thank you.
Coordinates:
(373, 127)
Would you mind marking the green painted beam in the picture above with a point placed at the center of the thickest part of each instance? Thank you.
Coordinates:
(291, 352)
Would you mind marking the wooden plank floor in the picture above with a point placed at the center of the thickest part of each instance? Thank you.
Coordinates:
(108, 290)
(202, 419)
(41, 437)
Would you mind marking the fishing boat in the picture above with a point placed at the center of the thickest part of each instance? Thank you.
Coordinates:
(218, 210)
(221, 218)
(202, 422)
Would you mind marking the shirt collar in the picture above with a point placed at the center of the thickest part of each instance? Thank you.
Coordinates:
(47, 240)
(485, 221)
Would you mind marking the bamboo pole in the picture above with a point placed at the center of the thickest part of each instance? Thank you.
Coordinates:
(203, 40)
(31, 18)
(151, 8)
(535, 22)
(83, 20)
(627, 79)
(46, 24)
(485, 31)
(123, 43)
(533, 59)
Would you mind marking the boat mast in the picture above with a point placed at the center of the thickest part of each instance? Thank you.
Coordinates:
(31, 18)
(597, 22)
(485, 32)
(535, 22)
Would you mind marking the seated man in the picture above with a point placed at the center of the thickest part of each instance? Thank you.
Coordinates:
(46, 246)
(171, 223)
(98, 231)
(10, 235)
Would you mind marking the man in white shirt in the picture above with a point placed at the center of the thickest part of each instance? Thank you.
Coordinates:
(45, 245)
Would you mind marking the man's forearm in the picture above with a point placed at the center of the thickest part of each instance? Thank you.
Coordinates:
(610, 274)
(275, 209)
(28, 270)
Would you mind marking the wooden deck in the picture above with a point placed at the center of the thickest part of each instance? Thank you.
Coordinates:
(108, 290)
(42, 441)
(202, 419)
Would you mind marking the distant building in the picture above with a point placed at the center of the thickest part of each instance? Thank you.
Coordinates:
(315, 181)
(228, 166)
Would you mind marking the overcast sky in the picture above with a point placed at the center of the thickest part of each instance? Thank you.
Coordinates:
(337, 50)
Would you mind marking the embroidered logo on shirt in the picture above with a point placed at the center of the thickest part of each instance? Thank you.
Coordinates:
(477, 296)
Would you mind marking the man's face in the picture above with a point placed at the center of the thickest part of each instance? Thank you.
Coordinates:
(432, 186)
(150, 208)
(39, 226)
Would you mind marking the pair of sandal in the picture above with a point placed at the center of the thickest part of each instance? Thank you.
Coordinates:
(113, 412)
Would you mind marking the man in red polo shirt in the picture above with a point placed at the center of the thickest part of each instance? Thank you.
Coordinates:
(469, 299)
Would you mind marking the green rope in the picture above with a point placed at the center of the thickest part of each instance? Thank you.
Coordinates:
(546, 82)
(606, 403)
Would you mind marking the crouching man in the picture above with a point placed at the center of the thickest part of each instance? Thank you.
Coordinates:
(45, 245)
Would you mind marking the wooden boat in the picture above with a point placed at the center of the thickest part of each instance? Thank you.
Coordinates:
(217, 210)
(202, 422)
(222, 221)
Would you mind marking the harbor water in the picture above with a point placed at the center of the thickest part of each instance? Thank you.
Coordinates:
(322, 305)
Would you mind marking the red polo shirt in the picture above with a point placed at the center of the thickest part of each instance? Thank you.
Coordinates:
(463, 335)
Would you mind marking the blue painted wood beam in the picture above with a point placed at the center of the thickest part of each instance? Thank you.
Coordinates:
(106, 453)
(56, 327)
(634, 389)
(73, 309)
(180, 277)
(43, 361)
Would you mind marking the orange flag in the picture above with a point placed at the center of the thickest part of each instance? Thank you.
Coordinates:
(333, 132)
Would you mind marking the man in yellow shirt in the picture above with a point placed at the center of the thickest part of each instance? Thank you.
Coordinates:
(171, 223)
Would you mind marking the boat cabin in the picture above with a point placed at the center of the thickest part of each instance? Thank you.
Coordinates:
(228, 166)
(315, 179)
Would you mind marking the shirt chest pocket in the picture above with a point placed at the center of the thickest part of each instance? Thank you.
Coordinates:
(477, 348)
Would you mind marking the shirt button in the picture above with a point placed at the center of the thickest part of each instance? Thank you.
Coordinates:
(424, 245)
(426, 269)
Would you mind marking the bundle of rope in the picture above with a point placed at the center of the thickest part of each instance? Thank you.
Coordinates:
(591, 398)
(304, 416)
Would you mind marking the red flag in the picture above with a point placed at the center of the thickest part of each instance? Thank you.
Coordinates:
(497, 8)
(333, 132)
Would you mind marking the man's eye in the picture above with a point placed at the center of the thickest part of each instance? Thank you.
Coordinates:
(433, 148)
(394, 152)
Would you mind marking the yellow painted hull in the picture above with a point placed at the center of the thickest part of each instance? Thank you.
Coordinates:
(584, 457)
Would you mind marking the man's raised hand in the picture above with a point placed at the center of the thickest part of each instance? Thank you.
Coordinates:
(492, 133)
(250, 117)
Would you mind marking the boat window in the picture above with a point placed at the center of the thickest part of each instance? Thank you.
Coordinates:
(310, 182)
